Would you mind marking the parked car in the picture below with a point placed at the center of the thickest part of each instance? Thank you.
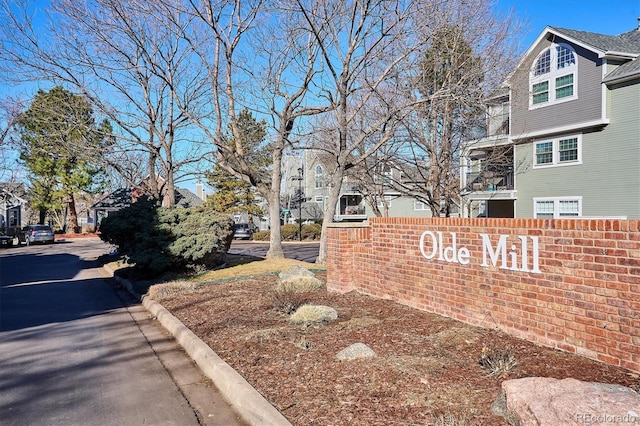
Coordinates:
(36, 234)
(244, 231)
(5, 240)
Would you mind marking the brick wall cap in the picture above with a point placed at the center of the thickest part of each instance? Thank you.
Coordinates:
(354, 225)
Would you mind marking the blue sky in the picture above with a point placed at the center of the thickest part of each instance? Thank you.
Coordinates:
(610, 17)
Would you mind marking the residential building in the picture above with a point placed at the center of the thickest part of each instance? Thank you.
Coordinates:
(14, 208)
(307, 177)
(123, 197)
(563, 135)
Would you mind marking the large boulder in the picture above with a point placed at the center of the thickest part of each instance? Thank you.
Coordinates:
(355, 351)
(295, 271)
(554, 402)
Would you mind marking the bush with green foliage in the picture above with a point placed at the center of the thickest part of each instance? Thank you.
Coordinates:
(200, 236)
(155, 239)
(136, 232)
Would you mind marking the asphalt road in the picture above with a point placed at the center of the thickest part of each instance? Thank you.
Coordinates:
(73, 353)
(305, 251)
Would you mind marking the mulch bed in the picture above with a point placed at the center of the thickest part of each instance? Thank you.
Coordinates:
(426, 370)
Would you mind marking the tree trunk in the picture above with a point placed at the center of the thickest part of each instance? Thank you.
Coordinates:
(169, 199)
(73, 214)
(273, 196)
(335, 186)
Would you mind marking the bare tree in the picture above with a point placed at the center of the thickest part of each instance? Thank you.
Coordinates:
(366, 48)
(258, 59)
(10, 111)
(130, 64)
(469, 55)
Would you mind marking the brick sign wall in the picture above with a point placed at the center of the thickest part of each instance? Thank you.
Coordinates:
(568, 284)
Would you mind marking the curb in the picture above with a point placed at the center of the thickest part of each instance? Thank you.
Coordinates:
(252, 407)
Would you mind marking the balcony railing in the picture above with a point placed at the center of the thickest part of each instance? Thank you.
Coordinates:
(490, 181)
(352, 210)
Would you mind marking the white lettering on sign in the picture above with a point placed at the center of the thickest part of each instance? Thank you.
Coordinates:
(514, 258)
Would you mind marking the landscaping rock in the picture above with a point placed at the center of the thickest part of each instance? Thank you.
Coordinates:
(554, 402)
(357, 350)
(295, 271)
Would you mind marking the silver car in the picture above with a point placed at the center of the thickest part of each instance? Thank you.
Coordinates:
(36, 234)
(244, 231)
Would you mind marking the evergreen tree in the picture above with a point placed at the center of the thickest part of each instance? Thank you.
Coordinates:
(450, 77)
(233, 195)
(61, 146)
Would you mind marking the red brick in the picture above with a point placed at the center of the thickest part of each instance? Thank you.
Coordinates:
(590, 278)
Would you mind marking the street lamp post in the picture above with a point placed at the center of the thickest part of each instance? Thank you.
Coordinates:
(300, 177)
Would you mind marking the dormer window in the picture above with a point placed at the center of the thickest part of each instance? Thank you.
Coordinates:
(553, 76)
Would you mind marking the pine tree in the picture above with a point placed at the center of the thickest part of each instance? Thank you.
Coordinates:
(61, 146)
(231, 194)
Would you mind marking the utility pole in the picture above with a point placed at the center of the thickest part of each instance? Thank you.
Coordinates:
(300, 178)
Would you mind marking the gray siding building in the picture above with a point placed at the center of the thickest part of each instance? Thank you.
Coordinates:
(574, 130)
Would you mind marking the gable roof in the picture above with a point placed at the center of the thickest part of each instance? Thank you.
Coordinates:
(116, 200)
(627, 43)
(625, 47)
(186, 198)
(122, 197)
(13, 193)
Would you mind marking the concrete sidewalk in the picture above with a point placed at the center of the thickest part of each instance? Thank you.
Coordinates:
(233, 401)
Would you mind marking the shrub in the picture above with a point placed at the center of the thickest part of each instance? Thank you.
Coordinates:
(311, 231)
(313, 314)
(497, 362)
(261, 235)
(289, 232)
(299, 284)
(287, 300)
(136, 232)
(201, 237)
(155, 239)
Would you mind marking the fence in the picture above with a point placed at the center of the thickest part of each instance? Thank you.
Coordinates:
(573, 285)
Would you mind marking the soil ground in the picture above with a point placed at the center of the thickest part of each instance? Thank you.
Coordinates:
(427, 368)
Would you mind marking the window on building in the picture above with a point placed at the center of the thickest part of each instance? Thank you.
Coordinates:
(558, 152)
(544, 153)
(420, 205)
(553, 76)
(557, 208)
(568, 150)
(540, 92)
(387, 200)
(543, 63)
(387, 174)
(318, 177)
(564, 86)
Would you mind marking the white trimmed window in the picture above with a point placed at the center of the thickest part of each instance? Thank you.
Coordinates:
(387, 199)
(319, 177)
(563, 151)
(420, 205)
(553, 76)
(557, 208)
